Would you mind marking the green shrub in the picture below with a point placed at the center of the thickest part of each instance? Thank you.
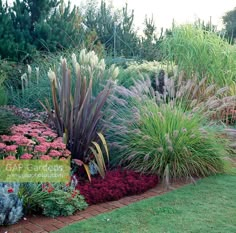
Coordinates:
(63, 201)
(3, 91)
(3, 96)
(10, 72)
(138, 71)
(32, 95)
(51, 199)
(33, 83)
(28, 27)
(7, 119)
(33, 86)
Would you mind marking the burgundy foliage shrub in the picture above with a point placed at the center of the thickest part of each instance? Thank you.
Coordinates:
(115, 185)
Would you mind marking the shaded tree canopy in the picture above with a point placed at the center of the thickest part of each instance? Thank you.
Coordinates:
(229, 20)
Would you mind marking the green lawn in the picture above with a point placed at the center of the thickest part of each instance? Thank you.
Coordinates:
(209, 206)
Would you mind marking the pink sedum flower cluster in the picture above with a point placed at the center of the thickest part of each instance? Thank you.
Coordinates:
(26, 156)
(33, 141)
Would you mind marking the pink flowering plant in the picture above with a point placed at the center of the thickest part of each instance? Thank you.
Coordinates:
(34, 140)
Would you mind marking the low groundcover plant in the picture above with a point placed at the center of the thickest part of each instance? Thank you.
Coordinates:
(62, 200)
(116, 184)
(51, 199)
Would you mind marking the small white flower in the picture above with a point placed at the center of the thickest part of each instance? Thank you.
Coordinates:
(24, 77)
(115, 72)
(63, 60)
(160, 149)
(77, 68)
(102, 65)
(37, 74)
(29, 69)
(74, 59)
(24, 81)
(93, 60)
(52, 76)
(75, 63)
(82, 55)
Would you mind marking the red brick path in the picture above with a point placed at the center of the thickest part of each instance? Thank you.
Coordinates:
(41, 224)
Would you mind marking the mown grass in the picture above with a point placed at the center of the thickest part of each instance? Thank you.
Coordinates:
(209, 206)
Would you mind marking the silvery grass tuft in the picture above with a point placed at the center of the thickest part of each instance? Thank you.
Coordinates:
(35, 84)
(94, 68)
(162, 136)
(192, 94)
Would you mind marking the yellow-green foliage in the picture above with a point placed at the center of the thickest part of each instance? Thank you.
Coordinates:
(197, 51)
(136, 71)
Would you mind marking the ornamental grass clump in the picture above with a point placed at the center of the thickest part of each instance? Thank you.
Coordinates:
(198, 51)
(231, 134)
(168, 140)
(151, 134)
(191, 94)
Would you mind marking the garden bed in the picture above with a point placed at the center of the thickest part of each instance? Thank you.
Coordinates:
(116, 184)
(90, 125)
(37, 223)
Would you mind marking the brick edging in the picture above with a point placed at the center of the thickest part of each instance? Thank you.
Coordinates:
(42, 224)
